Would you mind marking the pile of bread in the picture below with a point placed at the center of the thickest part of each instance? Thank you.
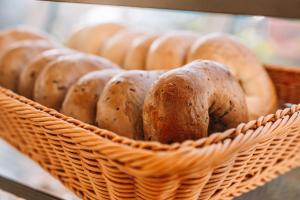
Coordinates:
(168, 88)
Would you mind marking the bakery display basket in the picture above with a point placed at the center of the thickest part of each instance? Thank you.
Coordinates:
(98, 164)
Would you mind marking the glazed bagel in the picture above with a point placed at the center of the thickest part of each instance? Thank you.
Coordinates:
(32, 70)
(192, 102)
(169, 51)
(57, 77)
(9, 36)
(16, 57)
(257, 85)
(138, 51)
(81, 99)
(116, 47)
(120, 106)
(90, 39)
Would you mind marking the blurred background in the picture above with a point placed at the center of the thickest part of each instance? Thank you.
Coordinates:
(274, 40)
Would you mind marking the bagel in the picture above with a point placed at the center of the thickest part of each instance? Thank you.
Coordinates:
(16, 57)
(138, 51)
(57, 77)
(90, 39)
(120, 106)
(192, 102)
(243, 64)
(116, 47)
(81, 99)
(9, 36)
(169, 51)
(32, 70)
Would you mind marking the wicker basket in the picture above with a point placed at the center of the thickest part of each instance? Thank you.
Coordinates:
(97, 164)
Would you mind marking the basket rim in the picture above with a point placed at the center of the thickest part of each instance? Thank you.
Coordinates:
(158, 158)
(214, 138)
(292, 69)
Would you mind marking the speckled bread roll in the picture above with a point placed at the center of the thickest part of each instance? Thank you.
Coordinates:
(57, 77)
(138, 51)
(9, 36)
(243, 64)
(120, 106)
(170, 51)
(90, 39)
(190, 102)
(116, 47)
(32, 70)
(16, 57)
(81, 99)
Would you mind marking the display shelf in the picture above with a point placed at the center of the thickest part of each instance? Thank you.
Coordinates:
(24, 191)
(275, 8)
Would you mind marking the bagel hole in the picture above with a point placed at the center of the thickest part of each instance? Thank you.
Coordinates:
(170, 141)
(215, 121)
(32, 75)
(242, 85)
(132, 90)
(215, 124)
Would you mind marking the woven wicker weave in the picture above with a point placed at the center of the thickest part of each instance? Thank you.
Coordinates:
(97, 164)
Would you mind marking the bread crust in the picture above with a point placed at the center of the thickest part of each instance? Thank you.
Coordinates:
(138, 52)
(120, 105)
(16, 57)
(115, 49)
(91, 39)
(81, 99)
(57, 77)
(9, 36)
(243, 64)
(170, 51)
(32, 70)
(192, 102)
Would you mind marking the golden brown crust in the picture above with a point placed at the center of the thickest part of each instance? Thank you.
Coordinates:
(138, 51)
(258, 87)
(116, 47)
(32, 70)
(9, 36)
(57, 77)
(81, 99)
(91, 39)
(190, 102)
(120, 105)
(169, 51)
(16, 57)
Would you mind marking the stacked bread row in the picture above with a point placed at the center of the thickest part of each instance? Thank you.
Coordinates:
(190, 102)
(134, 49)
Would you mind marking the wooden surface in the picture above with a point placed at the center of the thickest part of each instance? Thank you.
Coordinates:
(276, 8)
(286, 187)
(24, 191)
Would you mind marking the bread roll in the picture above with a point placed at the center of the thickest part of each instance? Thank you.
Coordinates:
(138, 51)
(90, 39)
(121, 103)
(32, 70)
(117, 46)
(81, 99)
(169, 51)
(9, 36)
(57, 77)
(243, 64)
(190, 102)
(16, 57)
